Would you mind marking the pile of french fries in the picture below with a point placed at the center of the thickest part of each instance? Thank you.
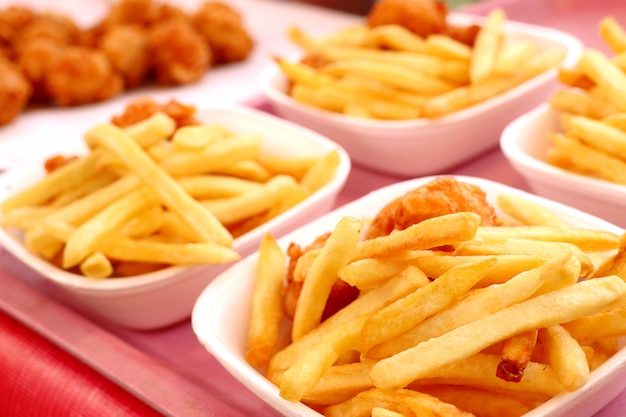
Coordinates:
(509, 317)
(390, 73)
(593, 110)
(153, 195)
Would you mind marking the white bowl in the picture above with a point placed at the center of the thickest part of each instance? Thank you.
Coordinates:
(221, 314)
(525, 143)
(167, 296)
(417, 147)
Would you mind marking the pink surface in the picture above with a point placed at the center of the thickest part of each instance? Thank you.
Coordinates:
(168, 369)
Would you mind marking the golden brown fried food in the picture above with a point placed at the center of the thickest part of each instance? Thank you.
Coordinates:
(423, 17)
(13, 20)
(129, 12)
(178, 53)
(443, 195)
(15, 91)
(80, 76)
(223, 29)
(143, 108)
(34, 59)
(127, 49)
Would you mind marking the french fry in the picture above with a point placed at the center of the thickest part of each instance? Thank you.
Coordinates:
(409, 311)
(96, 265)
(337, 252)
(264, 331)
(567, 304)
(566, 357)
(475, 305)
(612, 34)
(486, 47)
(165, 187)
(606, 75)
(527, 211)
(516, 353)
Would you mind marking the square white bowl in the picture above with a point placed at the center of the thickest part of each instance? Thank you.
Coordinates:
(221, 315)
(409, 148)
(525, 144)
(167, 296)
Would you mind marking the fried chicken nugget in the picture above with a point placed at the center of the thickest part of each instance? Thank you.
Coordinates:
(15, 91)
(178, 52)
(80, 76)
(423, 17)
(34, 59)
(127, 49)
(443, 195)
(223, 29)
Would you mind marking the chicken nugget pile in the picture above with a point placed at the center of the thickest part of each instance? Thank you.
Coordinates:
(47, 59)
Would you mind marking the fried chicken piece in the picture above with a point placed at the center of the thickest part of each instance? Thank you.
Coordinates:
(13, 20)
(129, 12)
(223, 29)
(423, 17)
(164, 11)
(443, 195)
(127, 49)
(15, 91)
(81, 76)
(143, 108)
(178, 52)
(34, 59)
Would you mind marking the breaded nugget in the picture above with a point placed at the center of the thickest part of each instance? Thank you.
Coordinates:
(80, 76)
(443, 195)
(223, 29)
(34, 59)
(423, 17)
(127, 49)
(15, 91)
(178, 53)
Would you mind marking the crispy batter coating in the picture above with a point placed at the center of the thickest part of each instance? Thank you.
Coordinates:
(443, 195)
(15, 91)
(127, 49)
(178, 53)
(423, 17)
(223, 29)
(142, 108)
(34, 59)
(82, 75)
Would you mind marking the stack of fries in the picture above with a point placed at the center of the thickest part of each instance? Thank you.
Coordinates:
(593, 107)
(390, 73)
(153, 195)
(501, 320)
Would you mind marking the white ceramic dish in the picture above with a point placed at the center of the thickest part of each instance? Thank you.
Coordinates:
(220, 316)
(164, 297)
(525, 142)
(409, 148)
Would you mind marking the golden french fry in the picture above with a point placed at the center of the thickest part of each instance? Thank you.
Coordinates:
(198, 137)
(563, 305)
(338, 250)
(486, 46)
(411, 310)
(405, 283)
(266, 311)
(143, 250)
(64, 178)
(527, 211)
(512, 56)
(612, 34)
(450, 229)
(87, 238)
(165, 187)
(475, 305)
(321, 172)
(606, 75)
(599, 326)
(566, 357)
(234, 209)
(96, 265)
(587, 240)
(446, 47)
(574, 155)
(516, 354)
(597, 134)
(399, 38)
(307, 370)
(581, 103)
